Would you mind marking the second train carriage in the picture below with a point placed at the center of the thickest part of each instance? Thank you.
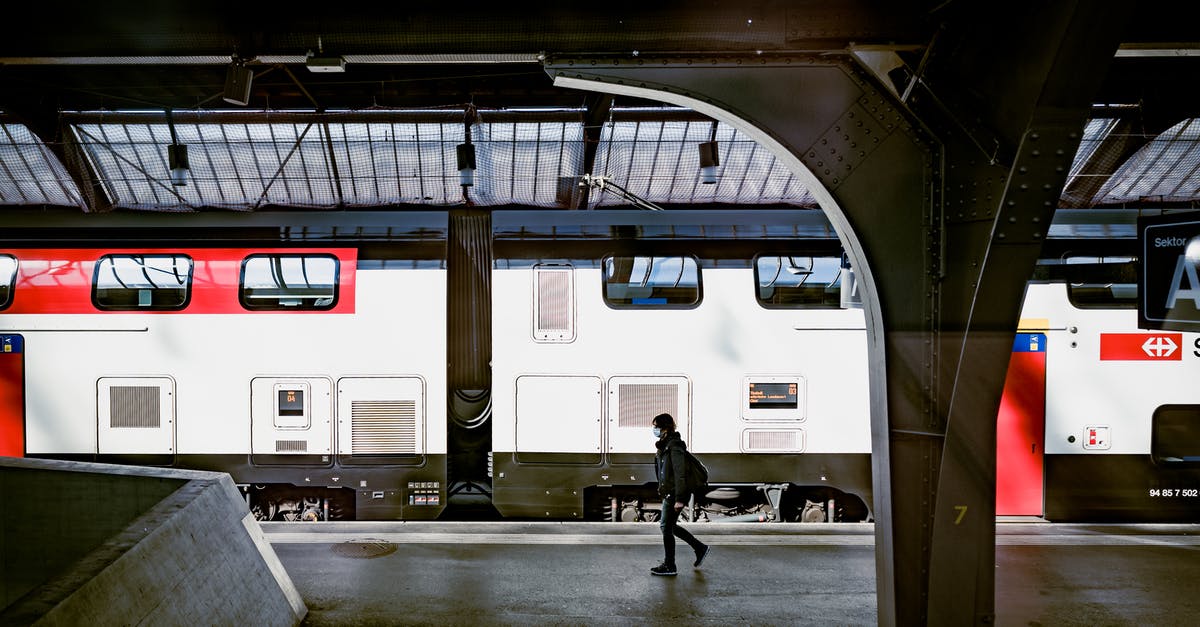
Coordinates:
(743, 336)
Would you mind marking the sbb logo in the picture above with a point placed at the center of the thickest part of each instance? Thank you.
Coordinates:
(1141, 346)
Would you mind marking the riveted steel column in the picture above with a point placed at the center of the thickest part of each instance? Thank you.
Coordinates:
(1011, 124)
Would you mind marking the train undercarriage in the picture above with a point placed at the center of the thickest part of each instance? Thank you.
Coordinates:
(773, 502)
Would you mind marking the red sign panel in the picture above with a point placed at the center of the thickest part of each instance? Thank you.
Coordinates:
(1141, 346)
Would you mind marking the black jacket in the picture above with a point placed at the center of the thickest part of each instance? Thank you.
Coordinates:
(670, 467)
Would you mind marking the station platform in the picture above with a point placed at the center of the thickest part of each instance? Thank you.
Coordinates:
(512, 573)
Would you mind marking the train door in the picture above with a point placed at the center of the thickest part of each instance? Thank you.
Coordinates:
(1020, 430)
(12, 396)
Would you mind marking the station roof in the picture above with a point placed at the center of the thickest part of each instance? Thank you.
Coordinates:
(91, 99)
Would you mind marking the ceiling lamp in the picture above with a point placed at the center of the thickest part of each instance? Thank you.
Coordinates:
(237, 83)
(319, 62)
(466, 164)
(466, 151)
(709, 159)
(177, 159)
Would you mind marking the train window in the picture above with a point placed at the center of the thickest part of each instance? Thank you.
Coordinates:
(801, 282)
(289, 282)
(1175, 436)
(142, 282)
(8, 279)
(1109, 282)
(648, 282)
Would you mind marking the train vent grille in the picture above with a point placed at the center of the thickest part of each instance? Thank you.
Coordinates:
(772, 441)
(383, 427)
(639, 403)
(134, 407)
(554, 301)
(291, 446)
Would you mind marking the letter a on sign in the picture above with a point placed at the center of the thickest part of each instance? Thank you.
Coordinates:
(1184, 267)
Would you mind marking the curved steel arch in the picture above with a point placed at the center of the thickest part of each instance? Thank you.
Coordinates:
(943, 215)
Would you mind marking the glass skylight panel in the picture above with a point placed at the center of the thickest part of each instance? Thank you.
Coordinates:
(391, 163)
(660, 162)
(524, 162)
(1165, 170)
(1094, 134)
(29, 173)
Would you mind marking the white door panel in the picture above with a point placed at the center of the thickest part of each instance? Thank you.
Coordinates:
(558, 414)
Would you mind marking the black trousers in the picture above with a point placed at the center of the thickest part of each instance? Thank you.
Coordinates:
(669, 523)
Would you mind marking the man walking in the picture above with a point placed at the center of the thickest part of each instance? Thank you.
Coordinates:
(670, 469)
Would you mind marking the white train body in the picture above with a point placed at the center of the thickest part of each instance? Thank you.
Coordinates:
(211, 363)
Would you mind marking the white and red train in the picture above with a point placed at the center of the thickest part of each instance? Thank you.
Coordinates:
(322, 366)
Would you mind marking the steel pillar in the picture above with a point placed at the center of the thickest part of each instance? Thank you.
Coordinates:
(941, 202)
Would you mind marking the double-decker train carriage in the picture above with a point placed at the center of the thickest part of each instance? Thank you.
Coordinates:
(310, 370)
(738, 330)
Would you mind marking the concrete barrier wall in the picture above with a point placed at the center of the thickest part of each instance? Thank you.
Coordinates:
(50, 519)
(129, 545)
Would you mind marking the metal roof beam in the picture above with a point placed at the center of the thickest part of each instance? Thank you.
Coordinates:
(599, 106)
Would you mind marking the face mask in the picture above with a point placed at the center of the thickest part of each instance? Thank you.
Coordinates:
(657, 432)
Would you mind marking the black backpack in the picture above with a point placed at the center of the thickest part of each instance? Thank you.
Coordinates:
(695, 474)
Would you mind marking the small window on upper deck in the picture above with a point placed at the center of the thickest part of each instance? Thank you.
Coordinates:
(648, 282)
(1098, 281)
(142, 282)
(289, 282)
(801, 282)
(8, 279)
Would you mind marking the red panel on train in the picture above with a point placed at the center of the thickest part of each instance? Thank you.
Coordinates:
(1020, 430)
(12, 396)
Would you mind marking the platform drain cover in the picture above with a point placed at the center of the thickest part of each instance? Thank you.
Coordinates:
(364, 550)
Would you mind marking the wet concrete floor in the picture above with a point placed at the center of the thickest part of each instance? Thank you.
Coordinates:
(787, 574)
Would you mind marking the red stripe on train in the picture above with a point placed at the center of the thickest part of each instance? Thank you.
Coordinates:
(59, 281)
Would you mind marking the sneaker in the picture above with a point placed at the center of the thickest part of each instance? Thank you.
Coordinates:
(664, 570)
(700, 555)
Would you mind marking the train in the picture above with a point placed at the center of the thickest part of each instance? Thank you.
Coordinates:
(388, 365)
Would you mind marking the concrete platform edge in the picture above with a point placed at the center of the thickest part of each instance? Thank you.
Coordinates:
(196, 552)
